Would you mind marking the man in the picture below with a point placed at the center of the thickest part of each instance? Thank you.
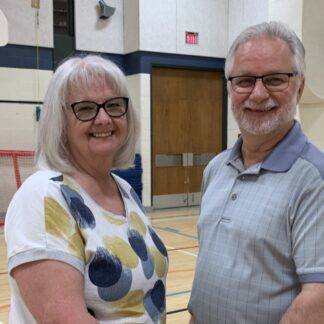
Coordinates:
(261, 226)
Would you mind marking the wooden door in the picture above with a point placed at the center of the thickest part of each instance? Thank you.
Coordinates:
(186, 130)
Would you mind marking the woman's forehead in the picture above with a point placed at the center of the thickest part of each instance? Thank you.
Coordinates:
(92, 82)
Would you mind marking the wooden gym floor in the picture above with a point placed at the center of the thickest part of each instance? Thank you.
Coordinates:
(177, 228)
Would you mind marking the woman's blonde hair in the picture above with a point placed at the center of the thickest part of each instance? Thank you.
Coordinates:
(52, 146)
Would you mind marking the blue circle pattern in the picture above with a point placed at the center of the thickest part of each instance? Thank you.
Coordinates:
(119, 289)
(138, 244)
(80, 211)
(102, 264)
(157, 241)
(154, 301)
(112, 278)
(58, 178)
(115, 285)
(148, 267)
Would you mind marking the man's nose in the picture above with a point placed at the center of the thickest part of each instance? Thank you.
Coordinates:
(259, 92)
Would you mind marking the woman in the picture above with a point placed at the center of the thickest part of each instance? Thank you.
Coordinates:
(80, 248)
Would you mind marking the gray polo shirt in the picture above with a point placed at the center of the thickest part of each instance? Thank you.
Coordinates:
(261, 233)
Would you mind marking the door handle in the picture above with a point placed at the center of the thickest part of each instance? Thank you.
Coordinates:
(187, 159)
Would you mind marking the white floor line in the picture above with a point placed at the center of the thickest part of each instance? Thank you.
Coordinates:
(160, 218)
(182, 251)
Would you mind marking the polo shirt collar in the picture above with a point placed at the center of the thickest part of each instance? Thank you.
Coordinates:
(284, 155)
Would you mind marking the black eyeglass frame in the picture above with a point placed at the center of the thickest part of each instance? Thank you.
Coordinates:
(99, 106)
(261, 77)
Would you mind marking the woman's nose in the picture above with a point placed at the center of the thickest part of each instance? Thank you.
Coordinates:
(102, 116)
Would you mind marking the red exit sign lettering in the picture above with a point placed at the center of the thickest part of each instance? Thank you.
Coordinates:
(191, 38)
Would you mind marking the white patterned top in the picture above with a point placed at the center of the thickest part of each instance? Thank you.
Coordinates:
(123, 260)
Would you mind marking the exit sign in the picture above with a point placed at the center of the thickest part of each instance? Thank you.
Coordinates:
(191, 38)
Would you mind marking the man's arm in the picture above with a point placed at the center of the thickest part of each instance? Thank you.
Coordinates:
(308, 306)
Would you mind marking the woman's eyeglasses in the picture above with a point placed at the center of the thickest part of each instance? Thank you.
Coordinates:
(88, 110)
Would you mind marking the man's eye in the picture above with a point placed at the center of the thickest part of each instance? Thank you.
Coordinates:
(274, 80)
(245, 82)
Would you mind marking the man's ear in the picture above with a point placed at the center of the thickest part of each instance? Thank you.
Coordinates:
(300, 90)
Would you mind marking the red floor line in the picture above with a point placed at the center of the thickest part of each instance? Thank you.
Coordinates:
(3, 273)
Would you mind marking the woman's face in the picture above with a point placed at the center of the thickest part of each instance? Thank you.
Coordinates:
(97, 140)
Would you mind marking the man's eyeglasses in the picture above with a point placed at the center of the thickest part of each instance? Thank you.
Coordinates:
(88, 110)
(272, 82)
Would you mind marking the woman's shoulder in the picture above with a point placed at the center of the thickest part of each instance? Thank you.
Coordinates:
(38, 182)
(40, 177)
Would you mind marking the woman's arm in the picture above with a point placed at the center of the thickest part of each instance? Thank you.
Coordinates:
(53, 291)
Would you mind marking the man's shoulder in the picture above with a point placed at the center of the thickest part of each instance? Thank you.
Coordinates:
(220, 158)
(313, 155)
(217, 163)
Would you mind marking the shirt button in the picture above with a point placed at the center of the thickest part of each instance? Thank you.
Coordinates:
(234, 196)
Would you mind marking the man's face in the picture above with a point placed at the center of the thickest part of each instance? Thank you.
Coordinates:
(261, 111)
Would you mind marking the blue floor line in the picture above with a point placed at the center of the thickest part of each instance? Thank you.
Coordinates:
(173, 230)
(178, 293)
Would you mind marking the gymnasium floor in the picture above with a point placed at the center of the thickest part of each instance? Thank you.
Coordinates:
(177, 228)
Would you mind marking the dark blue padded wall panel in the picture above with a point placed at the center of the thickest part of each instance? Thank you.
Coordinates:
(133, 175)
(142, 62)
(26, 57)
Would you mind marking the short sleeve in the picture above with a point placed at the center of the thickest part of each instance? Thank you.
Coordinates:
(307, 230)
(39, 226)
